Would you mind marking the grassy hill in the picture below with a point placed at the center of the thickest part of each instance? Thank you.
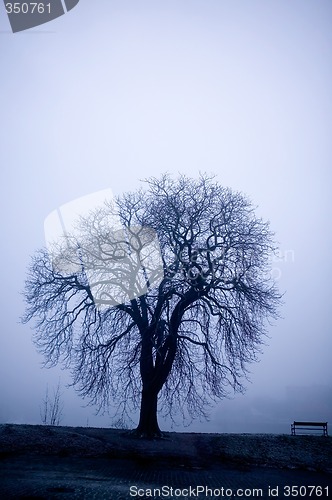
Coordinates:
(189, 449)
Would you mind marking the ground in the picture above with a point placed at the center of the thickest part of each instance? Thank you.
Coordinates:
(67, 463)
(312, 453)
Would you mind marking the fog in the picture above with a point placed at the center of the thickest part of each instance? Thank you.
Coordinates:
(117, 91)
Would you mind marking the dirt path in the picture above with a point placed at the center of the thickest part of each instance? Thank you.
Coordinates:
(46, 478)
(42, 462)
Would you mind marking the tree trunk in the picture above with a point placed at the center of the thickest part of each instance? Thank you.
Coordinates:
(154, 374)
(148, 421)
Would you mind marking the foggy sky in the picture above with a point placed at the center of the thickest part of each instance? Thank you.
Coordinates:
(117, 91)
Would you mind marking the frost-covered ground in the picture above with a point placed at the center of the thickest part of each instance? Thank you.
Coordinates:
(197, 450)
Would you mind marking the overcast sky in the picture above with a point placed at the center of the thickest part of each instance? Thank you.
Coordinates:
(116, 91)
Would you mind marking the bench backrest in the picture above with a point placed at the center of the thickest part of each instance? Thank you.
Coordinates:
(314, 424)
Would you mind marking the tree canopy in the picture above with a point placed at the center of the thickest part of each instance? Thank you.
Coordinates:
(169, 309)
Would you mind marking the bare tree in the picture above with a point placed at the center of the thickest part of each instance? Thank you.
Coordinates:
(52, 407)
(183, 339)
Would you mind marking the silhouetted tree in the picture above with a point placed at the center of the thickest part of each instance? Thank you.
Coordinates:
(51, 411)
(184, 337)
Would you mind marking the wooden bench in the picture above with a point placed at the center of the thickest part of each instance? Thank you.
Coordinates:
(309, 426)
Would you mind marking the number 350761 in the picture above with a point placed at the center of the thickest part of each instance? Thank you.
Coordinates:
(28, 8)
